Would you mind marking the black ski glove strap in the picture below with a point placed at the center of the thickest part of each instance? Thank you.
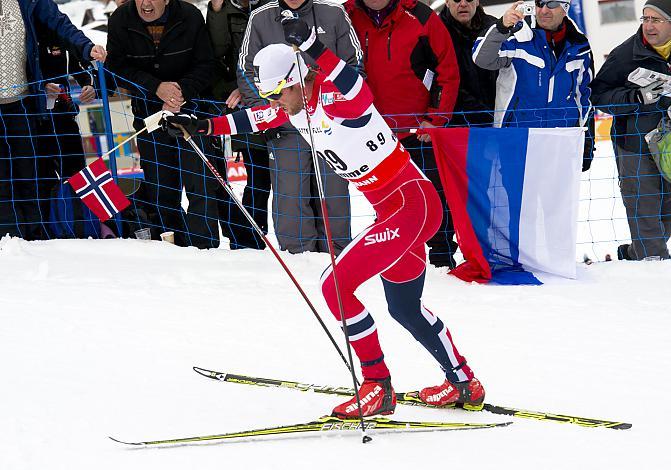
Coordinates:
(189, 122)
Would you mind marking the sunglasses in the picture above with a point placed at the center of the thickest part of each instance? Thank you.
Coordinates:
(551, 4)
(459, 1)
(276, 93)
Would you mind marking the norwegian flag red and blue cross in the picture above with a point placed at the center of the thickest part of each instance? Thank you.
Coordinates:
(96, 188)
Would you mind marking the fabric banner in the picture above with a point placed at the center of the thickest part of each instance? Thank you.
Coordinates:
(96, 188)
(513, 194)
(577, 15)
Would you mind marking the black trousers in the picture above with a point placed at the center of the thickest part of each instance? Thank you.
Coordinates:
(442, 245)
(234, 225)
(171, 166)
(60, 153)
(19, 209)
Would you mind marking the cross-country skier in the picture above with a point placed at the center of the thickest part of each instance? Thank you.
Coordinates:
(355, 141)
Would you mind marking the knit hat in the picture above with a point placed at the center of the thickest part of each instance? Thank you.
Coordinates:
(663, 7)
(274, 67)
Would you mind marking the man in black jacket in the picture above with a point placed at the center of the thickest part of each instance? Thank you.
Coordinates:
(161, 51)
(466, 20)
(226, 23)
(636, 111)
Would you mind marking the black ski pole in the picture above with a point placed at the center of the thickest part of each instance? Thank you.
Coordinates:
(329, 238)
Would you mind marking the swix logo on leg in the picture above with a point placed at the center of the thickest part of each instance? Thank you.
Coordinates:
(388, 234)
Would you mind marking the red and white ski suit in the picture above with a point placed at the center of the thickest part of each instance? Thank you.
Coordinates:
(355, 141)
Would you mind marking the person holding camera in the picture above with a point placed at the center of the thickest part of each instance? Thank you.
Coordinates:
(636, 111)
(544, 71)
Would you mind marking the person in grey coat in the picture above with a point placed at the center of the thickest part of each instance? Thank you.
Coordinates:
(636, 111)
(296, 210)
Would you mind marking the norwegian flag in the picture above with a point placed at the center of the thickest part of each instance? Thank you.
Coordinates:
(95, 186)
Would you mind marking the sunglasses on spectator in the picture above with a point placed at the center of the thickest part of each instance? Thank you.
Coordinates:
(276, 93)
(652, 19)
(459, 1)
(552, 4)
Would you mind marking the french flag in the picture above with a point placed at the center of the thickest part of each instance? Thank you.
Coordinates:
(513, 194)
(96, 188)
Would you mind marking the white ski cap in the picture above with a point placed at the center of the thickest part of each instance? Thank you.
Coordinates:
(274, 64)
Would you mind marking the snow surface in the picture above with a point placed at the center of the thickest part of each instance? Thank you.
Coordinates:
(98, 339)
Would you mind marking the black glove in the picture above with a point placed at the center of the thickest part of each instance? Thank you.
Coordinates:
(588, 150)
(650, 94)
(296, 31)
(189, 122)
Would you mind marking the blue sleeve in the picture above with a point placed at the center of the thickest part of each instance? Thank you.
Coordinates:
(48, 13)
(585, 90)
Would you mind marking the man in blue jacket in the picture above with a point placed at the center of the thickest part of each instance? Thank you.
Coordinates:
(544, 72)
(19, 101)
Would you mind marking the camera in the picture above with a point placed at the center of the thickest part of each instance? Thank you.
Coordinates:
(527, 9)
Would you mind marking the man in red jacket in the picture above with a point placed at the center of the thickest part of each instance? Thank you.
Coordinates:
(413, 73)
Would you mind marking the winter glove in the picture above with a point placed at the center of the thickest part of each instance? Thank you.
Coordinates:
(650, 94)
(189, 122)
(588, 153)
(296, 31)
(588, 150)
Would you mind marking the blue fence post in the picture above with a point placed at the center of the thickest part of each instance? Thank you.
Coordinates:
(109, 135)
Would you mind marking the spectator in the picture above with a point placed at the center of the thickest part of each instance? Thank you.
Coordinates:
(162, 49)
(465, 20)
(60, 149)
(413, 74)
(296, 212)
(544, 72)
(19, 101)
(544, 77)
(226, 23)
(636, 111)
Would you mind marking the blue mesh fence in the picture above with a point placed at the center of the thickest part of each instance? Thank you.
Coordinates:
(171, 189)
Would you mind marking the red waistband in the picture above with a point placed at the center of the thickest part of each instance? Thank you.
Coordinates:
(385, 172)
(409, 172)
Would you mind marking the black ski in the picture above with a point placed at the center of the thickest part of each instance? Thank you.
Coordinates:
(410, 398)
(324, 424)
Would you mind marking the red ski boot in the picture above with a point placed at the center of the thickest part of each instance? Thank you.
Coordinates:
(377, 397)
(469, 394)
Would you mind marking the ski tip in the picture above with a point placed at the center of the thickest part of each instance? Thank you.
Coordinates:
(204, 372)
(124, 442)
